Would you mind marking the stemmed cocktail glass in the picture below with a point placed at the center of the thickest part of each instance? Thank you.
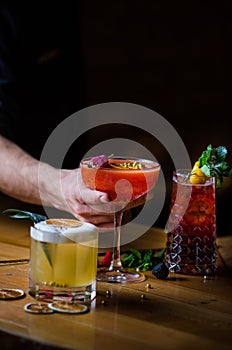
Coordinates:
(126, 180)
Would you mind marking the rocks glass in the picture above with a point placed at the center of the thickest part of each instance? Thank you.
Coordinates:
(63, 260)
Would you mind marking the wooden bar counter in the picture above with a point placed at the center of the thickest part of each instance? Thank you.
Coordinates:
(181, 312)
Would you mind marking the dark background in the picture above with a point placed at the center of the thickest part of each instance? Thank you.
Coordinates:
(173, 57)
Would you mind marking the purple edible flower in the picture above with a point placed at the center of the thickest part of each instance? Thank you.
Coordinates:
(99, 161)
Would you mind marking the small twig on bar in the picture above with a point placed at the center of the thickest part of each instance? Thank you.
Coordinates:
(14, 261)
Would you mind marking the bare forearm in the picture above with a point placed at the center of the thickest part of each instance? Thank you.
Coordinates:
(32, 181)
(19, 173)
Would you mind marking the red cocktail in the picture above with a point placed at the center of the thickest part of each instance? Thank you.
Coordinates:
(141, 174)
(125, 180)
(191, 240)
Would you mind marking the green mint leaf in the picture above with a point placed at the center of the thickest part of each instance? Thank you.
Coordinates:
(144, 266)
(142, 260)
(221, 153)
(148, 256)
(136, 252)
(127, 258)
(212, 163)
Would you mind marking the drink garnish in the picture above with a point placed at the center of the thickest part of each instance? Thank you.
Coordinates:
(22, 214)
(127, 165)
(104, 161)
(11, 293)
(35, 218)
(99, 161)
(63, 222)
(211, 163)
(197, 176)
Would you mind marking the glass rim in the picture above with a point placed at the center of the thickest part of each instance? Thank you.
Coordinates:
(155, 164)
(58, 237)
(184, 172)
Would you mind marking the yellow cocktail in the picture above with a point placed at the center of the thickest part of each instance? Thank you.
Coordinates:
(63, 259)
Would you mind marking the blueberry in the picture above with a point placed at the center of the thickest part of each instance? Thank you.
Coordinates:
(161, 271)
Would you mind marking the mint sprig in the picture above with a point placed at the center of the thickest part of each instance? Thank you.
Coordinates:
(142, 260)
(212, 163)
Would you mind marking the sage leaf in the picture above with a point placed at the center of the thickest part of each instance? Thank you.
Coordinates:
(35, 218)
(47, 252)
(22, 214)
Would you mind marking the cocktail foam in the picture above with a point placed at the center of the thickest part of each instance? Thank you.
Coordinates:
(64, 231)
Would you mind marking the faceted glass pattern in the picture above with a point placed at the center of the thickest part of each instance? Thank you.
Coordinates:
(191, 243)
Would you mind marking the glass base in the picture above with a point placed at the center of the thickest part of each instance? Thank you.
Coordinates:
(120, 276)
(43, 292)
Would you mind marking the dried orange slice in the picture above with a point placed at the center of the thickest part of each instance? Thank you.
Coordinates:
(72, 308)
(11, 293)
(38, 308)
(64, 222)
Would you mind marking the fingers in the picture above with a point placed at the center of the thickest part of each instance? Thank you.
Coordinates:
(94, 214)
(98, 220)
(88, 209)
(85, 204)
(92, 197)
(104, 223)
(91, 205)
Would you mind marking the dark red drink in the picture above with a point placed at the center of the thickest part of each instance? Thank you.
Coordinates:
(191, 239)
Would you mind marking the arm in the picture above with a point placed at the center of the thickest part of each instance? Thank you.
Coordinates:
(26, 179)
(18, 175)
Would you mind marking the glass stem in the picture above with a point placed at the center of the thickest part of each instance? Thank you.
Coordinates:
(116, 259)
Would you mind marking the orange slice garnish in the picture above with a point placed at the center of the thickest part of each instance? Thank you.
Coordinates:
(63, 222)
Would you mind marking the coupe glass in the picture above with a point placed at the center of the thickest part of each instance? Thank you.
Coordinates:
(141, 176)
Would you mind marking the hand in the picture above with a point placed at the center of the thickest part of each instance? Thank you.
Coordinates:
(85, 204)
(65, 190)
(93, 206)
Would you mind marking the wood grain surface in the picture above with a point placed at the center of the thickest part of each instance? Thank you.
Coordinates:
(181, 312)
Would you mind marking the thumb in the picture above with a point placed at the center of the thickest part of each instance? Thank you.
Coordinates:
(104, 198)
(91, 196)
